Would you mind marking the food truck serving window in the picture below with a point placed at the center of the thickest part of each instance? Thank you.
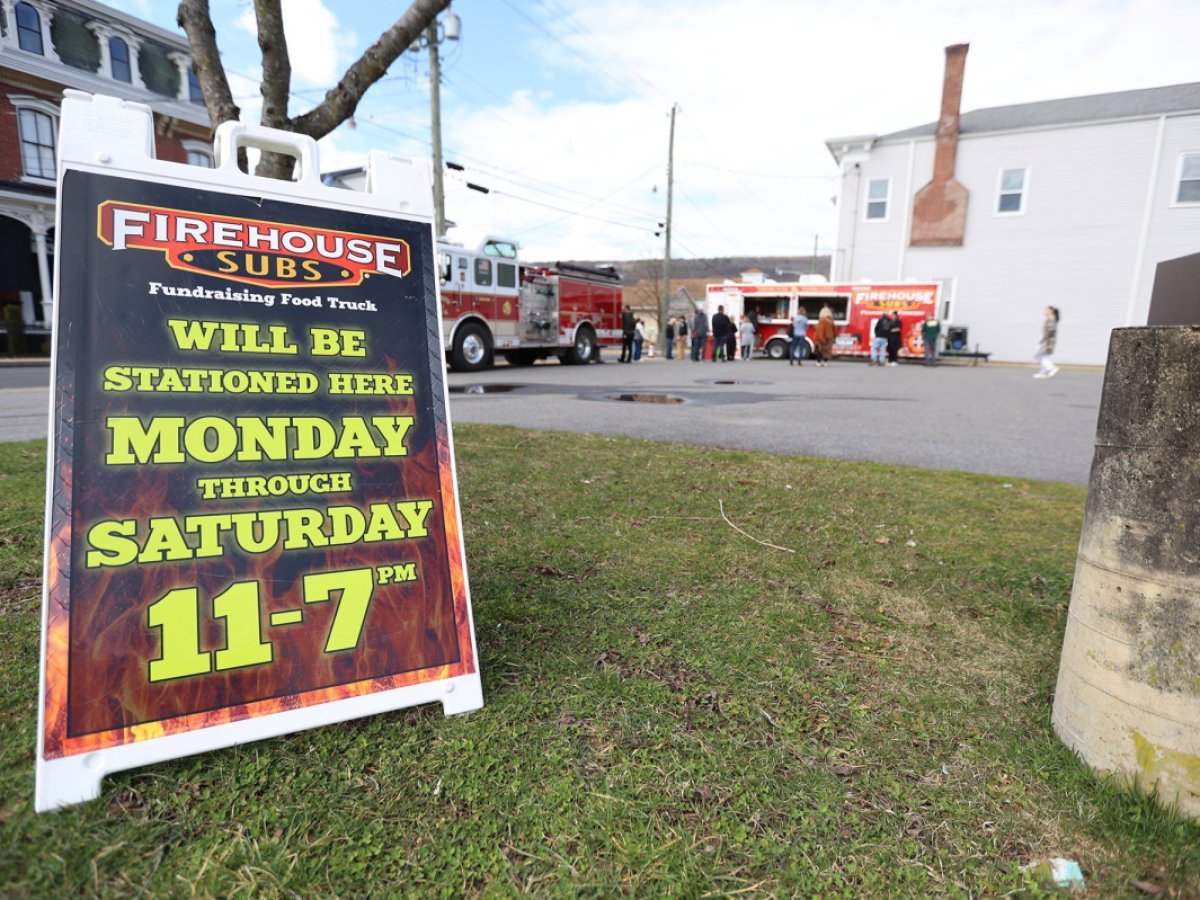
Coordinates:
(840, 304)
(767, 307)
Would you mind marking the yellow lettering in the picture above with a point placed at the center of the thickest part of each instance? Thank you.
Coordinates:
(112, 542)
(192, 335)
(133, 442)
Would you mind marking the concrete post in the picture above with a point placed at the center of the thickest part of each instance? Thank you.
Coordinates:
(1128, 697)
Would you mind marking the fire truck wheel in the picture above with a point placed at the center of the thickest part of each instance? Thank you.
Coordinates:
(472, 348)
(777, 350)
(583, 351)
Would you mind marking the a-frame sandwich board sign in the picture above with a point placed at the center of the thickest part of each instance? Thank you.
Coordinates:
(252, 518)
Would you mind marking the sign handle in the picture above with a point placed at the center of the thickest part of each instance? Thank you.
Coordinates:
(232, 136)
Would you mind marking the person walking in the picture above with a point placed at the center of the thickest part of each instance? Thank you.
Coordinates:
(628, 329)
(699, 334)
(720, 331)
(895, 335)
(1045, 351)
(639, 338)
(931, 330)
(880, 341)
(669, 342)
(824, 335)
(747, 336)
(681, 333)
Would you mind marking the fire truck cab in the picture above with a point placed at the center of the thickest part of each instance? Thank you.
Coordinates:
(856, 307)
(492, 303)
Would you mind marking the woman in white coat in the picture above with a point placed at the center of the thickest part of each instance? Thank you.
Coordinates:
(1045, 351)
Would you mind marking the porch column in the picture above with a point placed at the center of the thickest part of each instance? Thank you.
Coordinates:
(102, 33)
(183, 62)
(40, 227)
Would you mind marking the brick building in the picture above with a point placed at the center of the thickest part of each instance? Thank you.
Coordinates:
(49, 45)
(1069, 202)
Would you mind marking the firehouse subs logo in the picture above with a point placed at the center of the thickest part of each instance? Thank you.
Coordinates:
(894, 300)
(268, 254)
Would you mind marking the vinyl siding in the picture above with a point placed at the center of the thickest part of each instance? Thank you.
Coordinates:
(1074, 246)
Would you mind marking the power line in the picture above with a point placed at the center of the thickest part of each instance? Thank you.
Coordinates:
(560, 218)
(761, 174)
(618, 79)
(607, 51)
(564, 193)
(745, 187)
(569, 212)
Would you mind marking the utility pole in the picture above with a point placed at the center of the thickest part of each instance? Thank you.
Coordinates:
(664, 302)
(813, 267)
(435, 102)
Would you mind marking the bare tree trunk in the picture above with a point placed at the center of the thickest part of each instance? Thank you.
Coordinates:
(193, 17)
(276, 85)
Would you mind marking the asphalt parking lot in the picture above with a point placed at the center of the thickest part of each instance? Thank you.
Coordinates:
(990, 419)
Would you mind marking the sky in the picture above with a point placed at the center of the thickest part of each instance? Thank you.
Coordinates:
(562, 108)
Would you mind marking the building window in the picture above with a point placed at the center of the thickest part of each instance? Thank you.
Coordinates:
(1188, 190)
(29, 29)
(878, 193)
(37, 143)
(195, 94)
(1011, 194)
(118, 52)
(199, 153)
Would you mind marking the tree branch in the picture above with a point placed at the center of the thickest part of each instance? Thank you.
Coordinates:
(193, 17)
(276, 85)
(276, 64)
(340, 102)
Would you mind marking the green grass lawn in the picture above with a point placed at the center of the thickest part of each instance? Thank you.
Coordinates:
(671, 707)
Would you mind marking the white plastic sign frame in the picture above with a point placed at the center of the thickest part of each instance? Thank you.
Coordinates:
(252, 517)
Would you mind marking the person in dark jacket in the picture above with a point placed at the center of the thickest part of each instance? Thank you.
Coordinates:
(721, 328)
(880, 341)
(670, 339)
(895, 333)
(628, 330)
(699, 334)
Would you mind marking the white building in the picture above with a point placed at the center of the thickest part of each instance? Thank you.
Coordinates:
(1069, 203)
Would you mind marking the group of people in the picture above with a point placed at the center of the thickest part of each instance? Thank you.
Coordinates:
(823, 337)
(730, 336)
(885, 345)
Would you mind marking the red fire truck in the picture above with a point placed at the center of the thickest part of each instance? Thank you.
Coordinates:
(493, 303)
(856, 306)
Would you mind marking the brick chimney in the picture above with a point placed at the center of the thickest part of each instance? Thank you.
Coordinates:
(939, 216)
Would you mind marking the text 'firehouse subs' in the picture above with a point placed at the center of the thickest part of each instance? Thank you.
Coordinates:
(254, 252)
(265, 254)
